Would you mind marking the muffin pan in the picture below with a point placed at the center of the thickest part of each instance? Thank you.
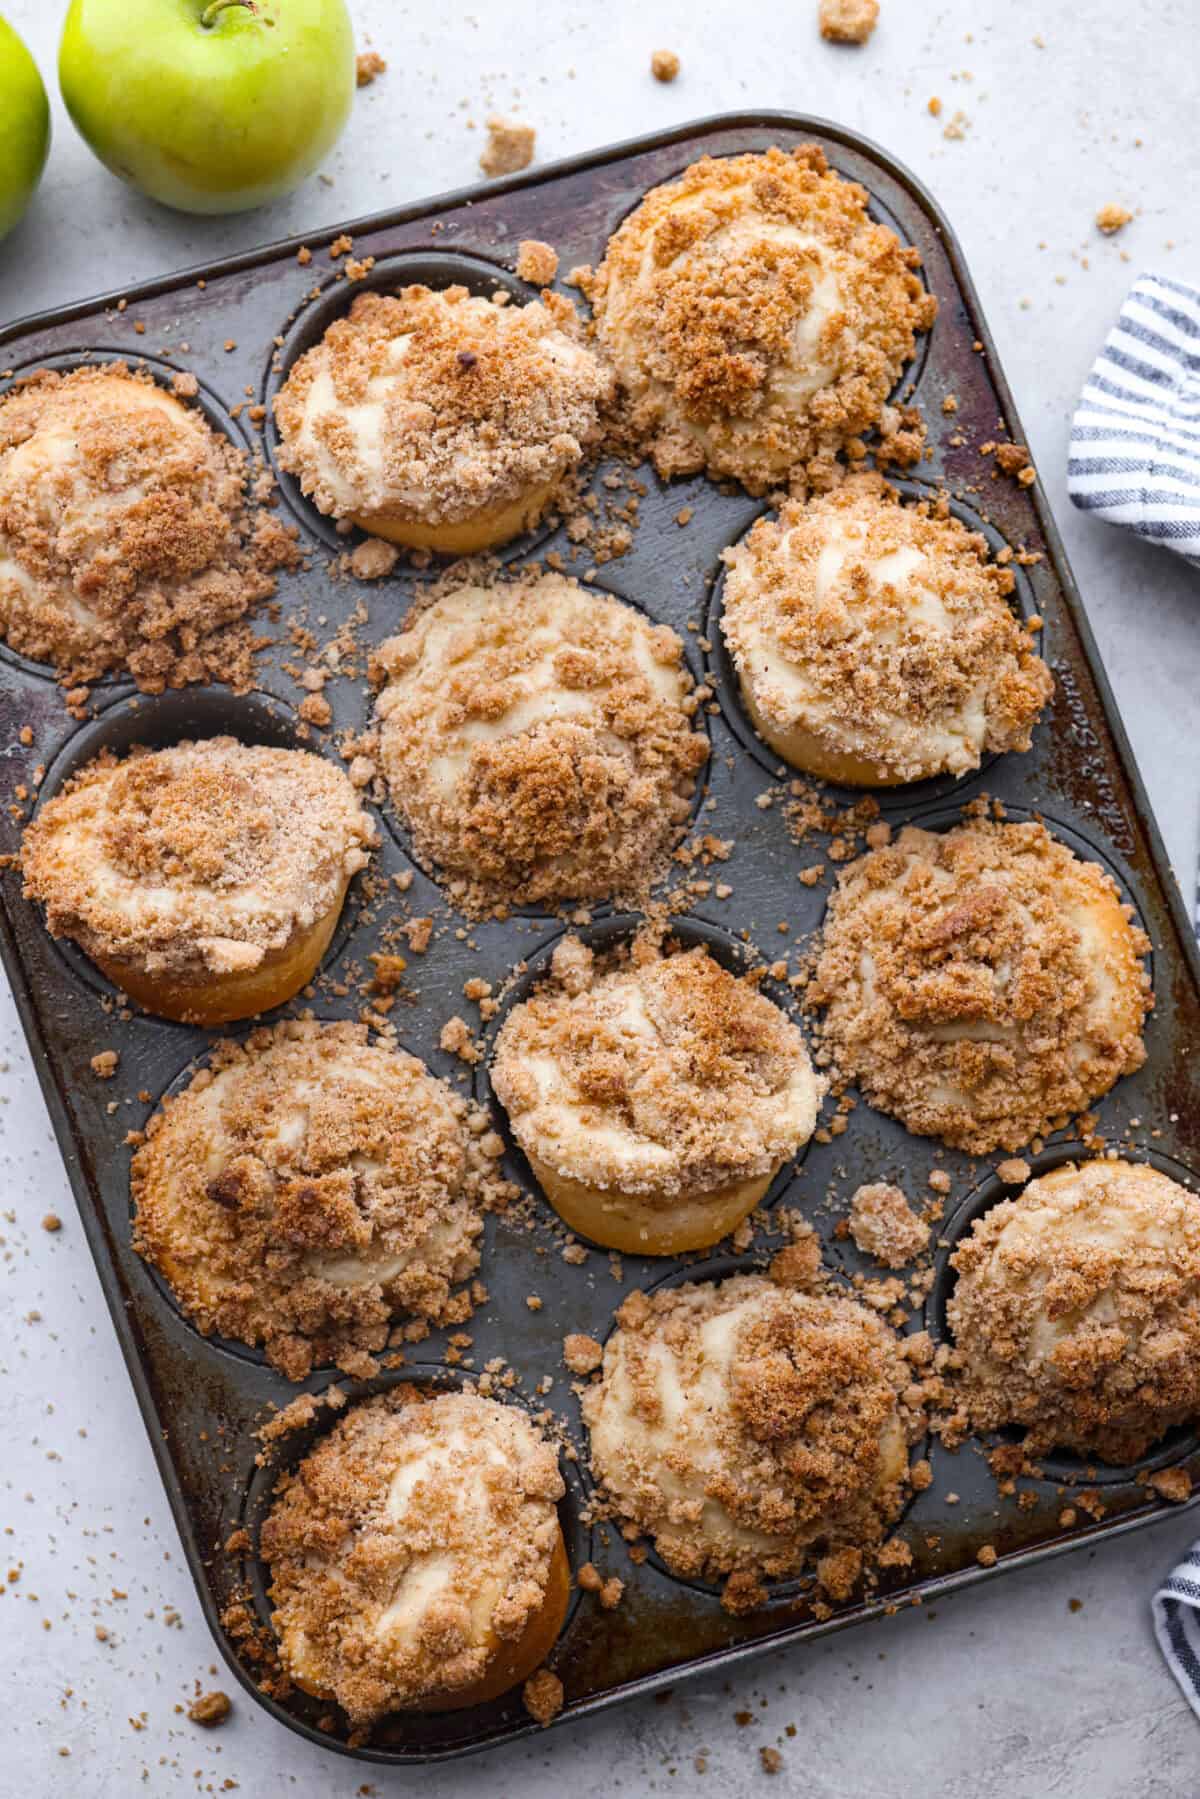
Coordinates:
(204, 1400)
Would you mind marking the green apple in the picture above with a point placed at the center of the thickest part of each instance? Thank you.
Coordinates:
(209, 105)
(24, 127)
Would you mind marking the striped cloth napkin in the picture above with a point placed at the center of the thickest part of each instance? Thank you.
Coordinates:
(1135, 439)
(1177, 1624)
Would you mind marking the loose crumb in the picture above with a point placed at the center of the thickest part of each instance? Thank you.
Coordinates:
(1112, 218)
(986, 1557)
(664, 65)
(104, 1065)
(52, 1222)
(1014, 1172)
(510, 147)
(1174, 1484)
(848, 21)
(536, 262)
(772, 1761)
(884, 1225)
(543, 1696)
(373, 558)
(210, 1709)
(369, 65)
(581, 1354)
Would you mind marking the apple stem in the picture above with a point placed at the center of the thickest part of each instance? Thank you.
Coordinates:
(213, 11)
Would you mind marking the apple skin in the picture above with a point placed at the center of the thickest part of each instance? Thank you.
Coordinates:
(209, 118)
(24, 127)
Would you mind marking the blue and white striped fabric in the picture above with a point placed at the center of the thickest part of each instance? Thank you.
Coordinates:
(1177, 1625)
(1135, 439)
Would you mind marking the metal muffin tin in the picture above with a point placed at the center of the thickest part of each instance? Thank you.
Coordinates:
(203, 1400)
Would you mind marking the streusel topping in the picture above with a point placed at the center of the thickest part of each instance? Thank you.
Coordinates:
(756, 315)
(202, 857)
(416, 1535)
(659, 1074)
(438, 405)
(743, 1424)
(981, 983)
(883, 629)
(126, 540)
(538, 739)
(1077, 1311)
(306, 1187)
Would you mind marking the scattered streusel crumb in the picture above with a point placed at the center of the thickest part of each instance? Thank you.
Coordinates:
(210, 1709)
(52, 1222)
(582, 1354)
(509, 147)
(957, 127)
(884, 1225)
(537, 262)
(1174, 1484)
(772, 1761)
(986, 1557)
(848, 21)
(104, 1065)
(373, 558)
(1014, 1172)
(369, 65)
(1112, 218)
(543, 1696)
(664, 65)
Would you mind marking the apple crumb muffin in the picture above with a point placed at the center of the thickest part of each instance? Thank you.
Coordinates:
(443, 420)
(1076, 1312)
(126, 537)
(205, 880)
(655, 1095)
(982, 983)
(307, 1187)
(539, 740)
(416, 1557)
(874, 642)
(747, 1426)
(757, 316)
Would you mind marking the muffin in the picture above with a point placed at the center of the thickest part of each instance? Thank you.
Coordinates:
(874, 642)
(204, 880)
(417, 1562)
(442, 421)
(655, 1096)
(1076, 1311)
(125, 537)
(306, 1188)
(538, 740)
(757, 317)
(982, 983)
(747, 1427)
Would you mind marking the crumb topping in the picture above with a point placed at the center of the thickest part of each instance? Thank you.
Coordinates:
(654, 1074)
(1077, 1310)
(413, 1542)
(981, 983)
(847, 21)
(756, 315)
(538, 739)
(884, 1225)
(308, 1186)
(883, 629)
(510, 146)
(436, 406)
(126, 540)
(743, 1425)
(202, 857)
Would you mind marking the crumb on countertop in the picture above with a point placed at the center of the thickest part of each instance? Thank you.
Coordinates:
(1112, 217)
(368, 66)
(847, 21)
(210, 1709)
(664, 65)
(509, 147)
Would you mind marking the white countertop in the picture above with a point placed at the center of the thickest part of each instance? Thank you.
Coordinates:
(1012, 1688)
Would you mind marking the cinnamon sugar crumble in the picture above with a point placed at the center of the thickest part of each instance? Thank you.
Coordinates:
(104, 1065)
(537, 262)
(543, 1696)
(664, 65)
(509, 148)
(1112, 218)
(127, 538)
(884, 1225)
(848, 21)
(368, 66)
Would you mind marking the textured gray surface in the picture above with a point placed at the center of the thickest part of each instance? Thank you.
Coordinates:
(1002, 1690)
